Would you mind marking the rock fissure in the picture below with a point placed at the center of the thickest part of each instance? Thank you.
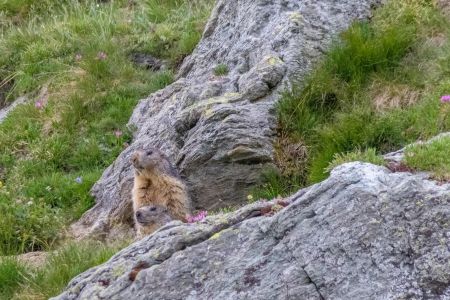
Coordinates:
(313, 283)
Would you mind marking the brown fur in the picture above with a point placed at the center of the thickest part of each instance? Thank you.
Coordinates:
(151, 217)
(157, 183)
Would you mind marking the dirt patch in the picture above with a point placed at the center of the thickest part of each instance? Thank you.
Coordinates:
(444, 5)
(437, 40)
(399, 167)
(33, 259)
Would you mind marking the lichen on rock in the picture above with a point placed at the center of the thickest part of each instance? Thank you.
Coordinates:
(364, 233)
(219, 130)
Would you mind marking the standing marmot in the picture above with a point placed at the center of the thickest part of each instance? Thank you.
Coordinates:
(156, 182)
(151, 217)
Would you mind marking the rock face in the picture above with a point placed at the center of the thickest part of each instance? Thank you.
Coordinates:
(364, 233)
(219, 129)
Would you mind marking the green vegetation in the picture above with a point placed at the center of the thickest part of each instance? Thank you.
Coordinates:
(378, 88)
(369, 155)
(221, 70)
(18, 281)
(12, 274)
(73, 60)
(433, 156)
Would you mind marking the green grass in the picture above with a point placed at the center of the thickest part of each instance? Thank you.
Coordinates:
(221, 70)
(369, 155)
(377, 88)
(20, 281)
(73, 58)
(12, 275)
(432, 157)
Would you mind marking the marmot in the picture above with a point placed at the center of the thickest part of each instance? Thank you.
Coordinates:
(157, 182)
(151, 217)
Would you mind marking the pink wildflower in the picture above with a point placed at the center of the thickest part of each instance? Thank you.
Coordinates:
(445, 99)
(118, 133)
(78, 57)
(39, 104)
(101, 55)
(197, 218)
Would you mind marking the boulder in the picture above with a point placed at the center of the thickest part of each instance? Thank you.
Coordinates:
(219, 130)
(364, 233)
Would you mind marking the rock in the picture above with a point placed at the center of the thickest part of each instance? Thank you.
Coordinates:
(6, 110)
(364, 233)
(147, 61)
(219, 130)
(399, 155)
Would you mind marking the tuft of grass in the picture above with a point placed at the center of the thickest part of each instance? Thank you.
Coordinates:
(12, 275)
(343, 107)
(221, 70)
(432, 157)
(369, 155)
(19, 281)
(275, 185)
(64, 265)
(72, 60)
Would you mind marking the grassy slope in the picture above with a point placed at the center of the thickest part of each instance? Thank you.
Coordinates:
(21, 282)
(73, 59)
(376, 90)
(384, 96)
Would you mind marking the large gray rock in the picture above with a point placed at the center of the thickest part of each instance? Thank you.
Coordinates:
(219, 129)
(364, 233)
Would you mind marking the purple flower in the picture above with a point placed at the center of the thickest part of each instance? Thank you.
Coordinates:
(101, 55)
(118, 133)
(79, 180)
(78, 57)
(39, 104)
(445, 99)
(199, 217)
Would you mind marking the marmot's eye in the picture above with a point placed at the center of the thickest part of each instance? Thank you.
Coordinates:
(149, 152)
(152, 208)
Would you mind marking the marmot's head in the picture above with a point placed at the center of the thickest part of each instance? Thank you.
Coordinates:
(152, 214)
(150, 159)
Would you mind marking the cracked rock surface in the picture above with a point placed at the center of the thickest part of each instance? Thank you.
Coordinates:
(219, 130)
(364, 233)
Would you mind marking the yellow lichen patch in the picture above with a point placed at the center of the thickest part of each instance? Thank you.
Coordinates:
(118, 271)
(295, 17)
(209, 103)
(225, 98)
(272, 60)
(215, 236)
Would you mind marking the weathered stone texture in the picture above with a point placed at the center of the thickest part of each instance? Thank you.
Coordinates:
(364, 233)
